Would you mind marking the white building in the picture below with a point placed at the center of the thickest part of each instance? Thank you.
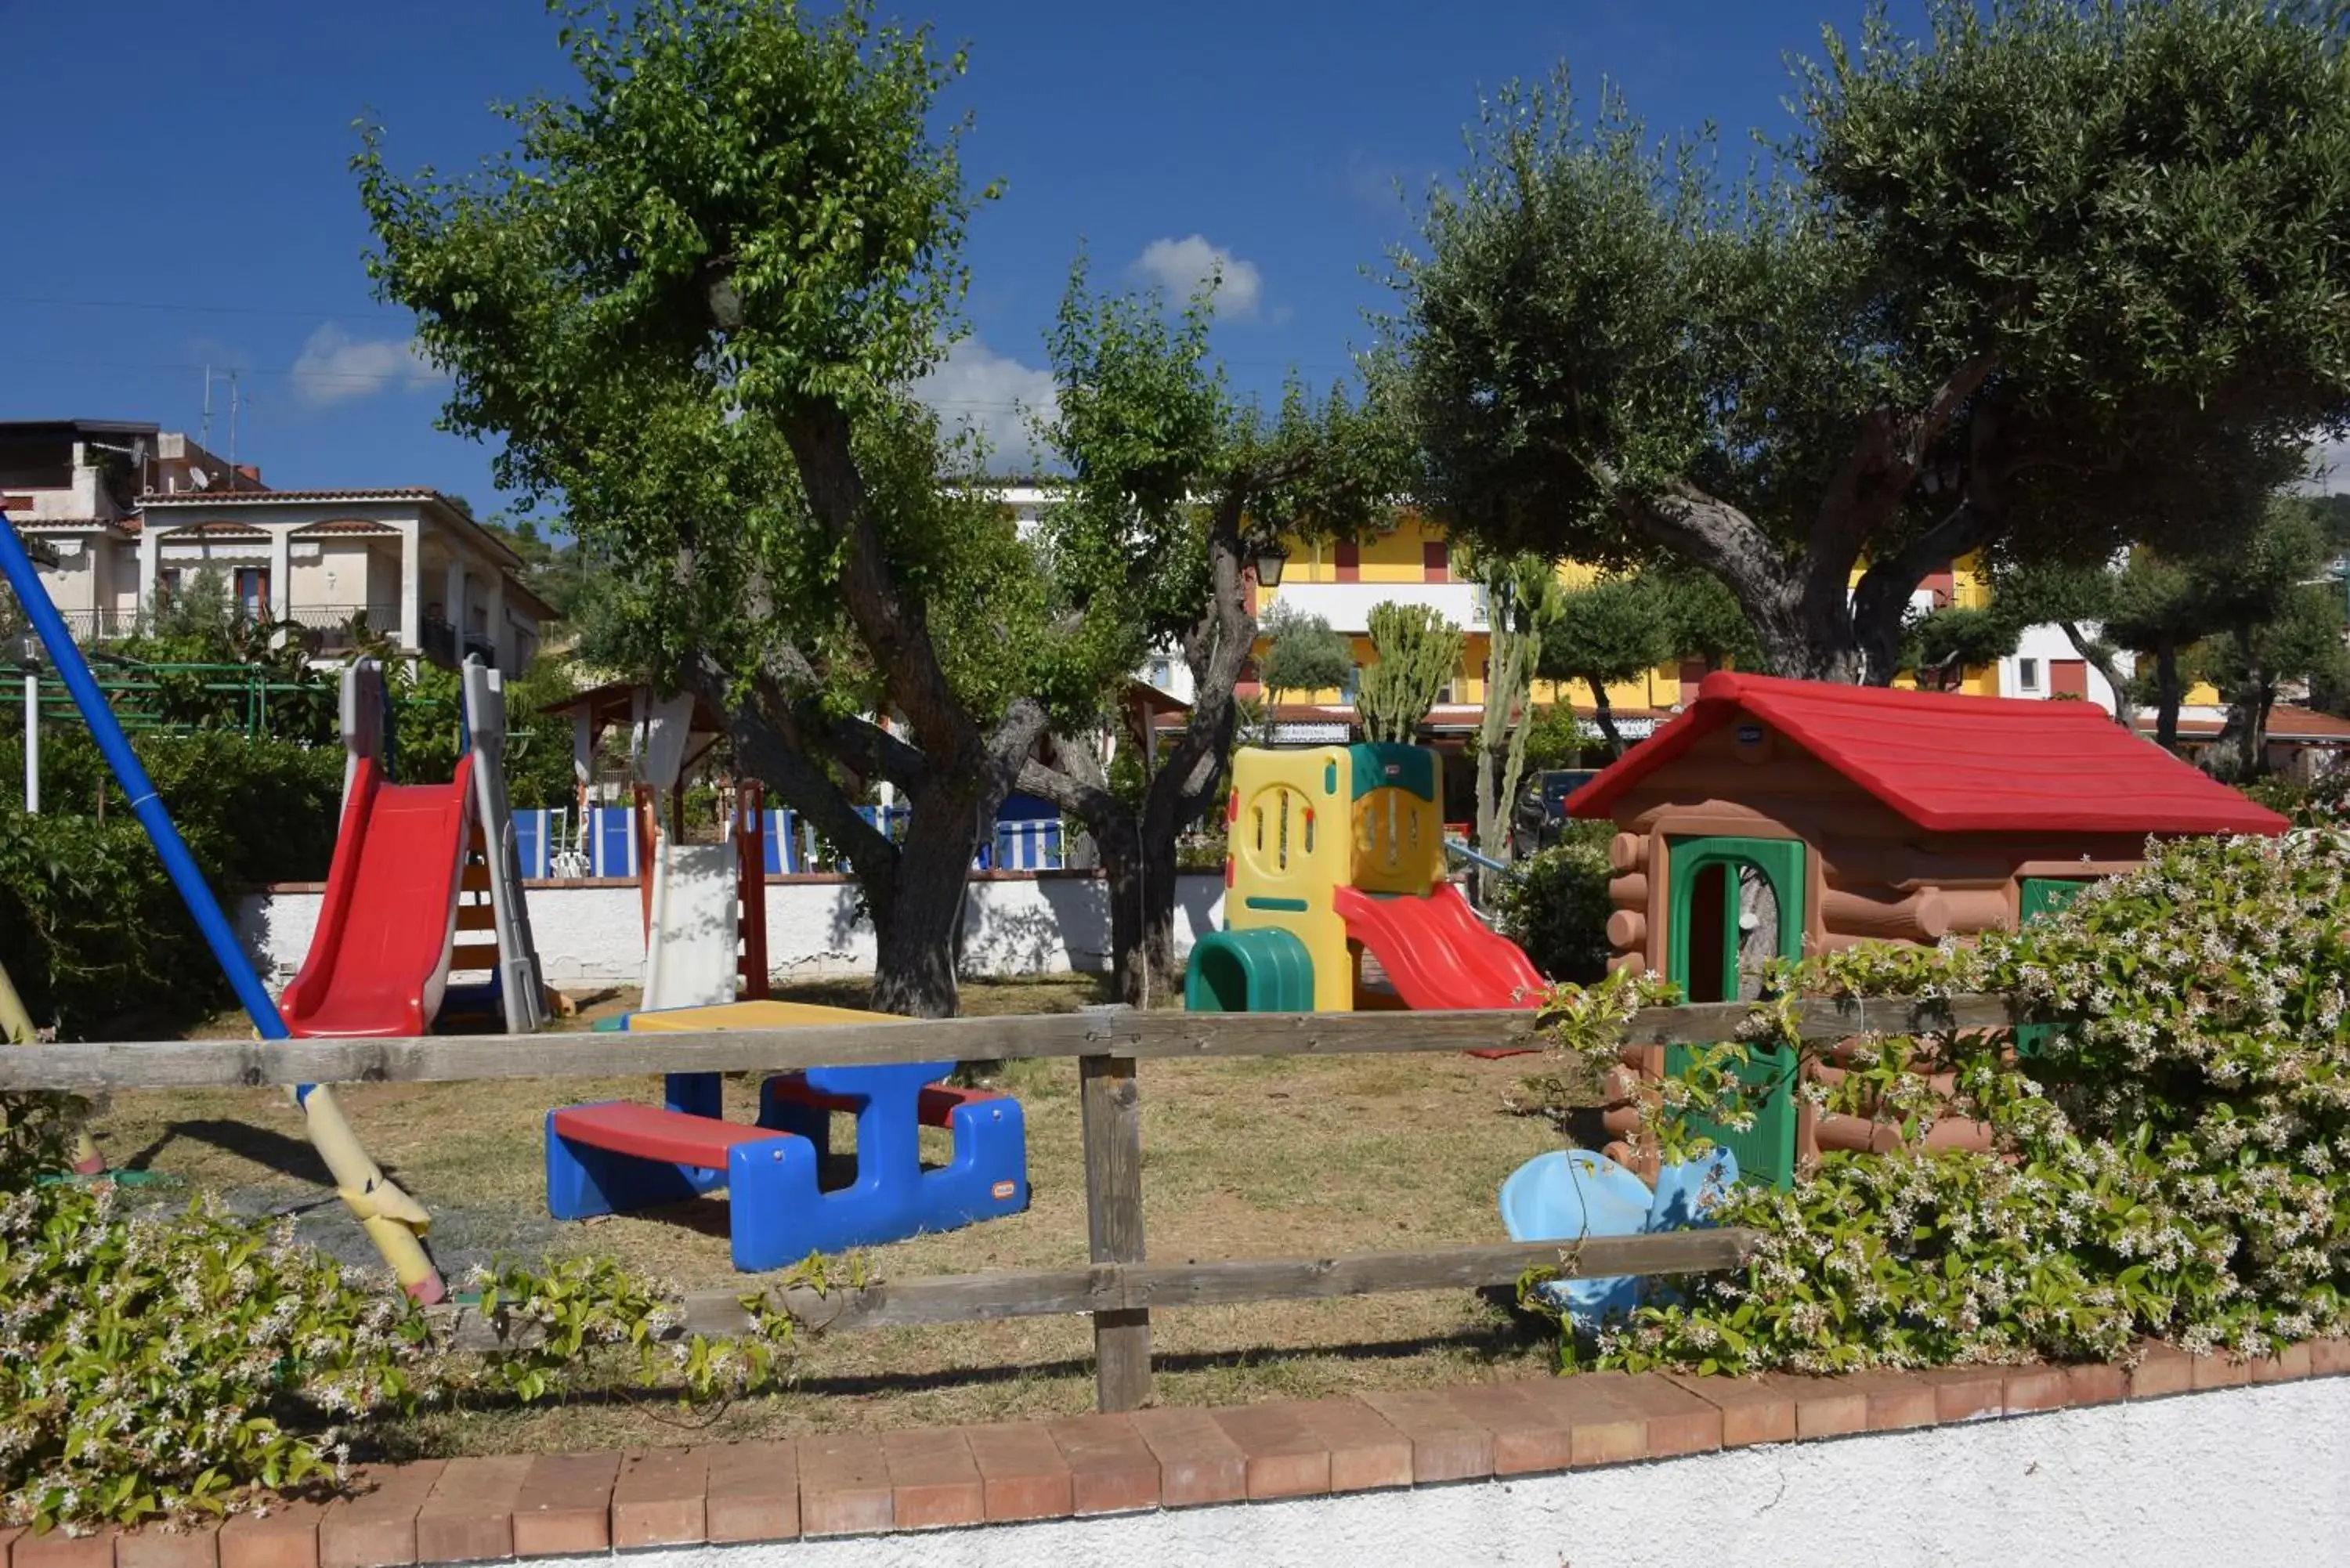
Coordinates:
(129, 512)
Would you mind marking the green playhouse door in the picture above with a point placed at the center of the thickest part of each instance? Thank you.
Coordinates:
(2042, 895)
(1732, 904)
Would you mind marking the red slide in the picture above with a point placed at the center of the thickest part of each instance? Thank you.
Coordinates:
(1439, 955)
(1503, 962)
(380, 953)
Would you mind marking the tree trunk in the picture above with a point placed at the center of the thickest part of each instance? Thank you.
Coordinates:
(1139, 872)
(2100, 659)
(915, 945)
(2167, 692)
(1603, 714)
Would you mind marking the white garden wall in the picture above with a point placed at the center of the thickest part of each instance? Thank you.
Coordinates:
(2242, 1476)
(591, 934)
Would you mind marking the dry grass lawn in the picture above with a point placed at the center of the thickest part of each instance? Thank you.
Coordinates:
(1249, 1156)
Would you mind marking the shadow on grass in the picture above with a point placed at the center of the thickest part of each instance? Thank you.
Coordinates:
(291, 1158)
(1487, 1344)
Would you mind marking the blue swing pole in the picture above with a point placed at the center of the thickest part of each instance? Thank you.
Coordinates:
(390, 1216)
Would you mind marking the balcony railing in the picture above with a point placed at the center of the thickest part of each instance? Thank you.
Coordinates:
(99, 625)
(344, 628)
(437, 640)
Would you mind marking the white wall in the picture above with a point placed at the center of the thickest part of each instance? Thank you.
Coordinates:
(2247, 1476)
(1347, 605)
(2048, 644)
(593, 935)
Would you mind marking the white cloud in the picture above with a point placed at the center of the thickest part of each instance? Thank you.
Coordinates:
(1181, 266)
(993, 394)
(334, 366)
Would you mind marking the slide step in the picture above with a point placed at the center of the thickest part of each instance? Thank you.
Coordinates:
(473, 956)
(650, 1132)
(934, 1108)
(477, 917)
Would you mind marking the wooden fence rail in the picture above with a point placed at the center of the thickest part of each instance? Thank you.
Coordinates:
(1121, 1287)
(1116, 1034)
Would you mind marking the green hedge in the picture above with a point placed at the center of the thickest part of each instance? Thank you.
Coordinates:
(1555, 905)
(91, 928)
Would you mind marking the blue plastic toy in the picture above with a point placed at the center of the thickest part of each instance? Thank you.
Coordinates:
(621, 1155)
(1570, 1194)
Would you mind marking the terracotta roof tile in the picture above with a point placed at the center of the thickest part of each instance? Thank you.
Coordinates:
(241, 497)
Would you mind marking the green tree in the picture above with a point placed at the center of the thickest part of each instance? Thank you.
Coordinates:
(1940, 646)
(1613, 629)
(1302, 654)
(2052, 279)
(1174, 487)
(691, 302)
(2277, 620)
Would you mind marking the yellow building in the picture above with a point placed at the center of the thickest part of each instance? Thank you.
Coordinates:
(1412, 563)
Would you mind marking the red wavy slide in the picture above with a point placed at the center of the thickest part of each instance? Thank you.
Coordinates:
(380, 955)
(1441, 957)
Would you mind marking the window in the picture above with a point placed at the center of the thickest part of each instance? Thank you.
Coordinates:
(1353, 685)
(1349, 561)
(1436, 562)
(1162, 673)
(252, 592)
(2027, 675)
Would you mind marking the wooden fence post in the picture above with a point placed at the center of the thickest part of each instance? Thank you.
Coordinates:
(1112, 1106)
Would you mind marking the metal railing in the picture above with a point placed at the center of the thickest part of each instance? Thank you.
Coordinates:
(343, 629)
(100, 625)
(437, 640)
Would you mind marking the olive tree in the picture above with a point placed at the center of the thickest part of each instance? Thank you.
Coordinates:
(1174, 487)
(2032, 282)
(691, 302)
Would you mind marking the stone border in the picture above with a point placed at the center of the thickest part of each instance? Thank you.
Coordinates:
(860, 1483)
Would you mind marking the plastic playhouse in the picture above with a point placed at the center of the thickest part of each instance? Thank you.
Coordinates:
(1776, 817)
(1335, 851)
(421, 873)
(621, 1155)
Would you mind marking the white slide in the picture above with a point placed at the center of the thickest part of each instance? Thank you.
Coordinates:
(691, 955)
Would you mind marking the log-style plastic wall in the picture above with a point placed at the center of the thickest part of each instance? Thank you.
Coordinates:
(1871, 876)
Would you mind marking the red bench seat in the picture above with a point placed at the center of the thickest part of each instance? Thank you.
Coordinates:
(648, 1132)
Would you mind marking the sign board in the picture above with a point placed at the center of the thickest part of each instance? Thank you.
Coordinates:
(1312, 734)
(1636, 728)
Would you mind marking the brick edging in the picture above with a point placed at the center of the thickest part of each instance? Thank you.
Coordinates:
(858, 1483)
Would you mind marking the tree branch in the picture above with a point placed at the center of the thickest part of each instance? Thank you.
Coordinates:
(892, 626)
(773, 747)
(2099, 655)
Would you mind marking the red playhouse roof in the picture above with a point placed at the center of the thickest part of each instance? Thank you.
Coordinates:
(1958, 764)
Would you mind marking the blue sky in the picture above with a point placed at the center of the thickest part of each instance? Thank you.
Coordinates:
(177, 195)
